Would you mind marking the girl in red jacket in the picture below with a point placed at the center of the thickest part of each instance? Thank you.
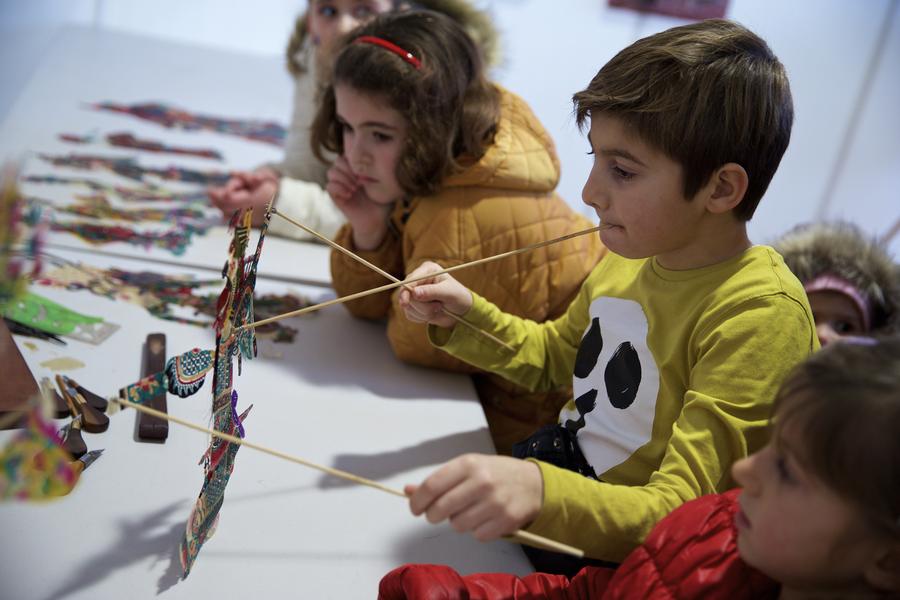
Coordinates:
(818, 515)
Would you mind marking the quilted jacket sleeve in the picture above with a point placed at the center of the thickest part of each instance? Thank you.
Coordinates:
(692, 553)
(349, 276)
(437, 582)
(545, 352)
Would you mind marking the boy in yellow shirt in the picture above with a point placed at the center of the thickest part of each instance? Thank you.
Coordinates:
(680, 336)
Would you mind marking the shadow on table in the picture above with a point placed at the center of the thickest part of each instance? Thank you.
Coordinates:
(137, 539)
(441, 545)
(383, 465)
(333, 348)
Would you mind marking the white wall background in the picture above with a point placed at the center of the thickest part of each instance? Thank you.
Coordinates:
(843, 59)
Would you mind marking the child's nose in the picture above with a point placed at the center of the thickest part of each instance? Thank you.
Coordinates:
(355, 154)
(742, 471)
(591, 192)
(346, 23)
(826, 334)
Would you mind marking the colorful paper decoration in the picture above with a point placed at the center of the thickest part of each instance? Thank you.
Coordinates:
(128, 167)
(235, 308)
(147, 193)
(33, 464)
(161, 294)
(269, 132)
(22, 232)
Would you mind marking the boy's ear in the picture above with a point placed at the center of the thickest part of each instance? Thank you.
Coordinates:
(726, 188)
(884, 573)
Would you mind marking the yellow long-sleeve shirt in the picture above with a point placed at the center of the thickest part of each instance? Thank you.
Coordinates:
(675, 373)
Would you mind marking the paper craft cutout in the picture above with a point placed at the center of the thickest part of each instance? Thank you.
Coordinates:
(98, 207)
(45, 315)
(235, 308)
(269, 132)
(22, 232)
(148, 193)
(33, 464)
(128, 140)
(129, 168)
(183, 376)
(160, 294)
(175, 240)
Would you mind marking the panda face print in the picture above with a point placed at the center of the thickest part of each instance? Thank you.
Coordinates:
(616, 384)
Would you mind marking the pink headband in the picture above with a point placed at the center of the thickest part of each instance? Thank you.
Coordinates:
(404, 54)
(839, 284)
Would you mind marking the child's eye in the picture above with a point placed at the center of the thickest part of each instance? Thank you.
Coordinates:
(327, 11)
(842, 327)
(621, 173)
(784, 472)
(382, 137)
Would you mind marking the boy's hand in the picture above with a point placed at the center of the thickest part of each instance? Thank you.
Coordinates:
(367, 218)
(489, 496)
(246, 189)
(427, 299)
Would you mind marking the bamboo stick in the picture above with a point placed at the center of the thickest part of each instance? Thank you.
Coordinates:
(517, 536)
(384, 273)
(391, 286)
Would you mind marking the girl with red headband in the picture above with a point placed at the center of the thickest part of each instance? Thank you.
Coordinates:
(299, 178)
(436, 163)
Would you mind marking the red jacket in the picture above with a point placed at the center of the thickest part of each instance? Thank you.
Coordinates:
(692, 553)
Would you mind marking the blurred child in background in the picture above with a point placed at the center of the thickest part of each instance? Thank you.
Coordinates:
(852, 283)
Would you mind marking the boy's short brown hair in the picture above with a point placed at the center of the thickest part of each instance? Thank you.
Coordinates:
(706, 94)
(450, 107)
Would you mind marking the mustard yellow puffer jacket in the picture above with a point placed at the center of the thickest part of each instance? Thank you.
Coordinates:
(503, 202)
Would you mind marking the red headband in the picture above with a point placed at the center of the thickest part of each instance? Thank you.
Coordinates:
(407, 56)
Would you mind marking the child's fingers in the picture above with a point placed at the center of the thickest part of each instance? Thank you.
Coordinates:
(459, 505)
(267, 173)
(421, 313)
(343, 164)
(425, 268)
(344, 178)
(492, 527)
(403, 298)
(436, 485)
(339, 193)
(215, 194)
(428, 292)
(483, 520)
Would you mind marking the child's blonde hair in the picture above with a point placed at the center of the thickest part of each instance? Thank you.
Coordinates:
(841, 410)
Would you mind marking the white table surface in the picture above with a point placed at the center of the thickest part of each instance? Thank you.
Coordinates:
(336, 396)
(77, 66)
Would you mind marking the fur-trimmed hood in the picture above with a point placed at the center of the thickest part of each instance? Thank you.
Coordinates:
(842, 249)
(477, 23)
